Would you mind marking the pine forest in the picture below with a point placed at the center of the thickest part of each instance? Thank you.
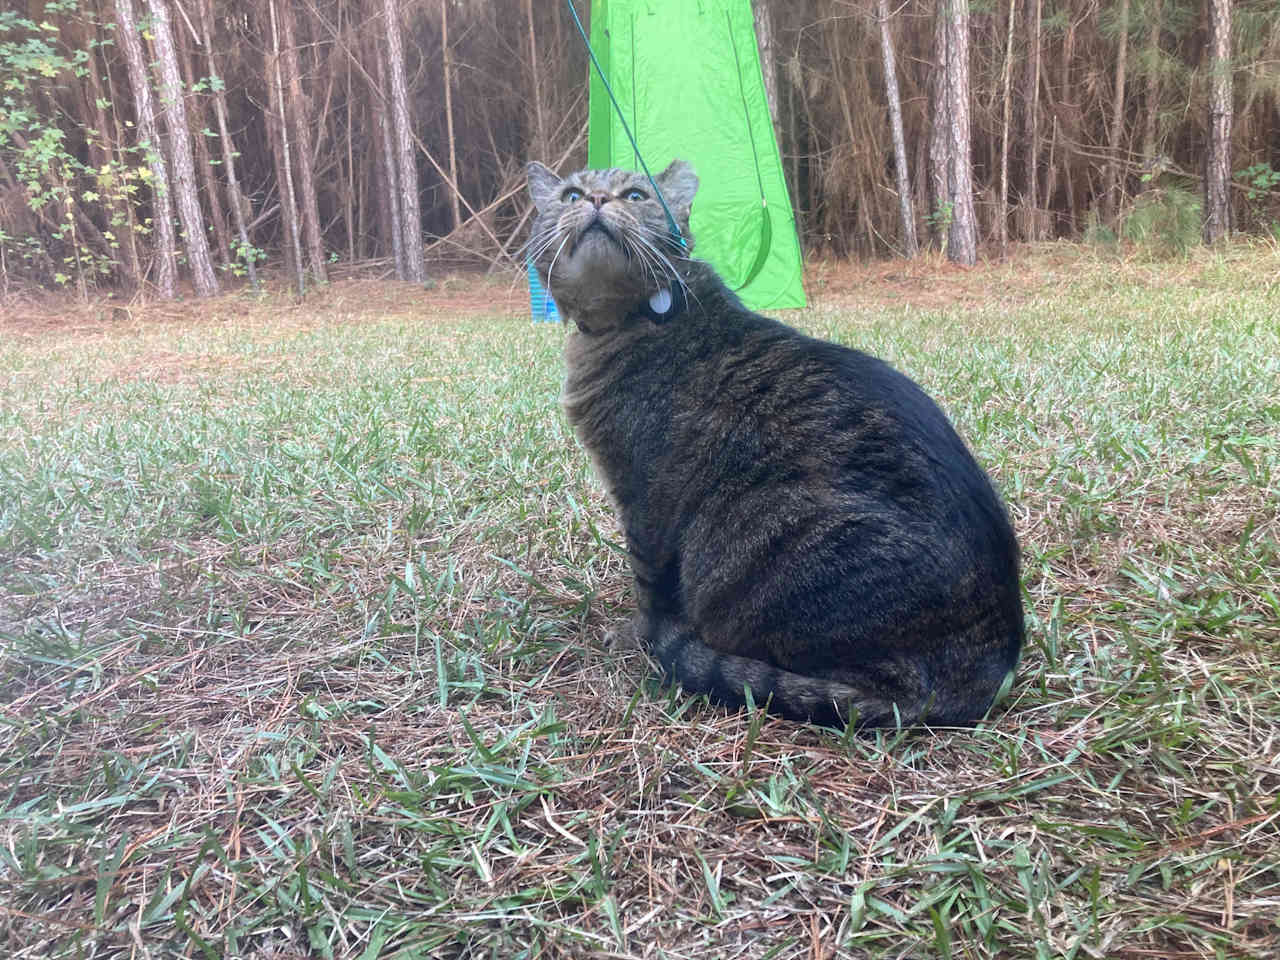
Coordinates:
(181, 146)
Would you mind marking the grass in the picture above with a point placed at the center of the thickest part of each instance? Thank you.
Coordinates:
(301, 621)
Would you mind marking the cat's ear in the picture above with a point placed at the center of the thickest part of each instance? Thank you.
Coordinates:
(678, 184)
(543, 184)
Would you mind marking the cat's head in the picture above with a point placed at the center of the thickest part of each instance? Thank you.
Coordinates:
(601, 238)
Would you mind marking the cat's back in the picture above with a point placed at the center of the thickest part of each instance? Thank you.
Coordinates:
(769, 419)
(812, 394)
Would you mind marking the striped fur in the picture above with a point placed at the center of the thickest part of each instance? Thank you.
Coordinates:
(801, 518)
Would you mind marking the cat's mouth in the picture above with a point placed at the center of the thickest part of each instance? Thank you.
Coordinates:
(597, 227)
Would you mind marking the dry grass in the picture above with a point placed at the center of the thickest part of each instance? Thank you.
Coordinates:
(302, 612)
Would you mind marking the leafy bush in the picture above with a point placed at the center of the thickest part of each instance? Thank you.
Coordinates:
(60, 216)
(1262, 191)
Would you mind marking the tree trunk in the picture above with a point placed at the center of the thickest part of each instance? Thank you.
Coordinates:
(1153, 86)
(1031, 226)
(768, 59)
(184, 169)
(448, 111)
(162, 213)
(284, 162)
(834, 224)
(1051, 176)
(1003, 214)
(296, 116)
(237, 200)
(962, 237)
(902, 175)
(540, 148)
(1065, 138)
(939, 145)
(350, 199)
(391, 218)
(195, 113)
(1217, 181)
(411, 218)
(1110, 183)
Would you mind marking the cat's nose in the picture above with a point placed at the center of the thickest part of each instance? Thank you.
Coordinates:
(598, 198)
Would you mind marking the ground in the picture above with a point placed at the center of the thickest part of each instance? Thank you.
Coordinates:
(303, 610)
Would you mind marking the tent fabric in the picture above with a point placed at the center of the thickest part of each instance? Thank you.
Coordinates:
(686, 74)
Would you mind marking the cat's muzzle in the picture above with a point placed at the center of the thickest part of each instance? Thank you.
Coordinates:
(597, 228)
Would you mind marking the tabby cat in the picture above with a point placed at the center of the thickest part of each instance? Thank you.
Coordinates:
(801, 518)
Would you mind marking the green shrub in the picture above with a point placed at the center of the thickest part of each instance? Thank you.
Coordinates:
(1164, 222)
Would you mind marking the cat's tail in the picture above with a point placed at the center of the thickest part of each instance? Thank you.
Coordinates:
(824, 701)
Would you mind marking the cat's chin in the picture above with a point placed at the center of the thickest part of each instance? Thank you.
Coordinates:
(596, 263)
(597, 243)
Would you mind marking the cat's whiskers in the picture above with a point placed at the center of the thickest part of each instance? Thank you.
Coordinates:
(658, 257)
(658, 268)
(555, 232)
(551, 241)
(534, 246)
(664, 240)
(649, 266)
(551, 269)
(678, 252)
(538, 243)
(661, 233)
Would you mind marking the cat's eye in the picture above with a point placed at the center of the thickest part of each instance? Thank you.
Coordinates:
(634, 194)
(571, 195)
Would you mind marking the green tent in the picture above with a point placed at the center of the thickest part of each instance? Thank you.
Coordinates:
(687, 77)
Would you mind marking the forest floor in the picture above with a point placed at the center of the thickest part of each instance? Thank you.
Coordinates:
(928, 283)
(302, 608)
